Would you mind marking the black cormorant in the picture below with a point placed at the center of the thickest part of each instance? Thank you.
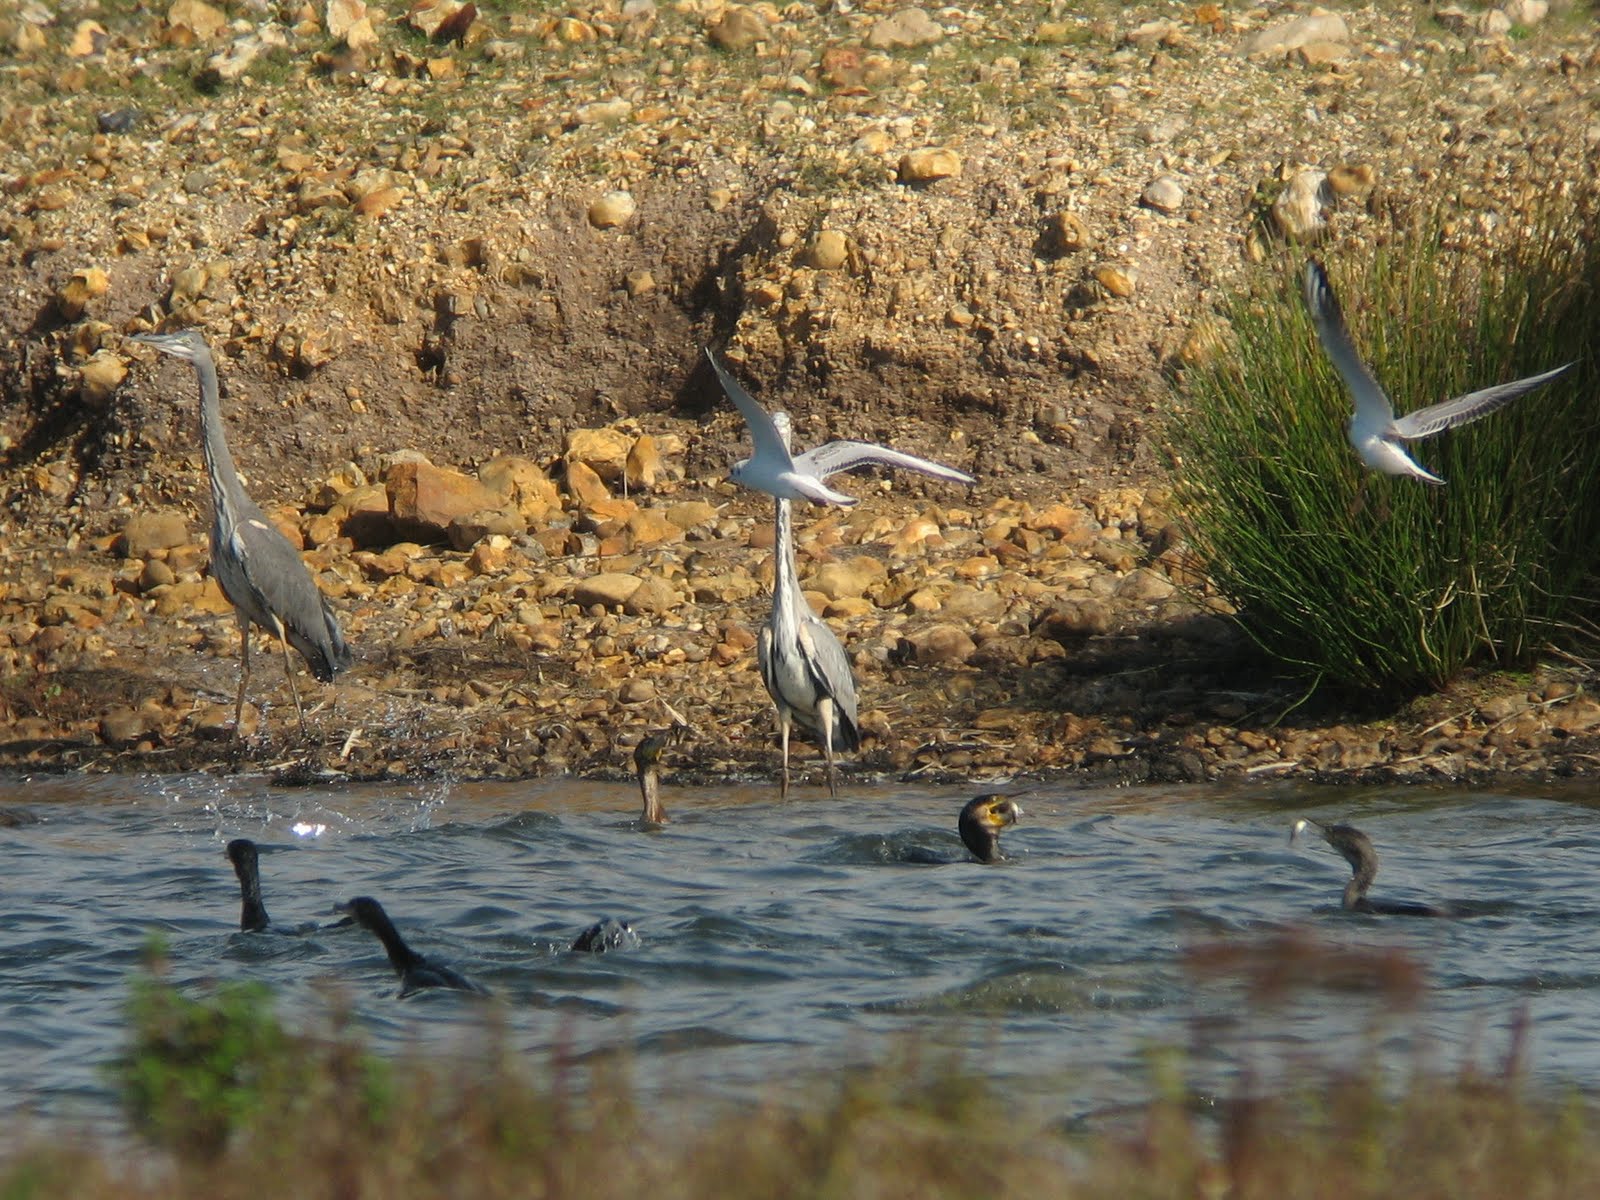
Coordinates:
(647, 765)
(1357, 850)
(982, 818)
(252, 913)
(415, 971)
(608, 933)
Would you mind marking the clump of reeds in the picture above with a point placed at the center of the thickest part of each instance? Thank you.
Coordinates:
(1389, 584)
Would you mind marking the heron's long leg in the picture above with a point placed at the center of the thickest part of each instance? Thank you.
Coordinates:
(825, 719)
(244, 674)
(288, 669)
(783, 741)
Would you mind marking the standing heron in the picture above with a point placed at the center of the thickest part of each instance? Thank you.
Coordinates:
(802, 661)
(260, 573)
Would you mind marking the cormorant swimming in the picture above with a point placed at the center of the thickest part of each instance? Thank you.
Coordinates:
(1357, 850)
(982, 818)
(608, 933)
(415, 971)
(647, 765)
(252, 913)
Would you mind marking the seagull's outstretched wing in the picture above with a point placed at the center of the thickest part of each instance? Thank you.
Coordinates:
(833, 457)
(1372, 404)
(769, 446)
(1463, 409)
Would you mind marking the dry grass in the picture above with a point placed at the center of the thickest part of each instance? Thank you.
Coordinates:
(342, 1123)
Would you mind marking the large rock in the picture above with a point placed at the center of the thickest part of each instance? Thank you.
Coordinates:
(603, 451)
(362, 515)
(424, 499)
(611, 589)
(522, 484)
(150, 531)
(940, 645)
(904, 29)
(1291, 35)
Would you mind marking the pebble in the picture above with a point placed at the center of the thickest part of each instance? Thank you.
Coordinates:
(81, 288)
(612, 209)
(1066, 232)
(1301, 210)
(929, 164)
(827, 251)
(908, 28)
(738, 28)
(1118, 281)
(1164, 194)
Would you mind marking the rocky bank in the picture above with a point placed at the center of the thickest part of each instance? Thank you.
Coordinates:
(458, 262)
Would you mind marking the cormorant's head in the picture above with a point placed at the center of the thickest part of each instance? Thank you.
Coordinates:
(981, 821)
(242, 854)
(1353, 845)
(366, 911)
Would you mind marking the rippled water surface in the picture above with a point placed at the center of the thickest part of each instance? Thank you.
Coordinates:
(777, 939)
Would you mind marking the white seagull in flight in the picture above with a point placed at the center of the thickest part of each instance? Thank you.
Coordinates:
(801, 477)
(1373, 430)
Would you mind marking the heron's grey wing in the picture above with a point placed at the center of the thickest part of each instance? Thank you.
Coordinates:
(1372, 404)
(1462, 409)
(763, 433)
(281, 585)
(833, 457)
(830, 667)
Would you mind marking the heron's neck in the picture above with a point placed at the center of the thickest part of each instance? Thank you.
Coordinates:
(226, 491)
(786, 585)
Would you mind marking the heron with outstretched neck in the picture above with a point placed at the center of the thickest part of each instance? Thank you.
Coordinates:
(260, 573)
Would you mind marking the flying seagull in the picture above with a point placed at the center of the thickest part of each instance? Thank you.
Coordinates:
(1372, 429)
(775, 471)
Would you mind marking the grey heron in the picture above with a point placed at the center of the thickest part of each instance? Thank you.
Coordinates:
(1373, 430)
(1357, 850)
(260, 573)
(415, 971)
(802, 661)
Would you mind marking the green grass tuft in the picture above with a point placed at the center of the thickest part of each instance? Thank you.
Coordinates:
(1390, 584)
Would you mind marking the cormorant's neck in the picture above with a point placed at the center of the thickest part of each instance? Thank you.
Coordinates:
(982, 841)
(650, 788)
(401, 956)
(252, 912)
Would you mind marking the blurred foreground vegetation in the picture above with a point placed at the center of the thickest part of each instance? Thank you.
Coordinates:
(231, 1103)
(1390, 585)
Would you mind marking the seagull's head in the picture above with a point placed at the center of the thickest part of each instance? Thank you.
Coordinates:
(739, 470)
